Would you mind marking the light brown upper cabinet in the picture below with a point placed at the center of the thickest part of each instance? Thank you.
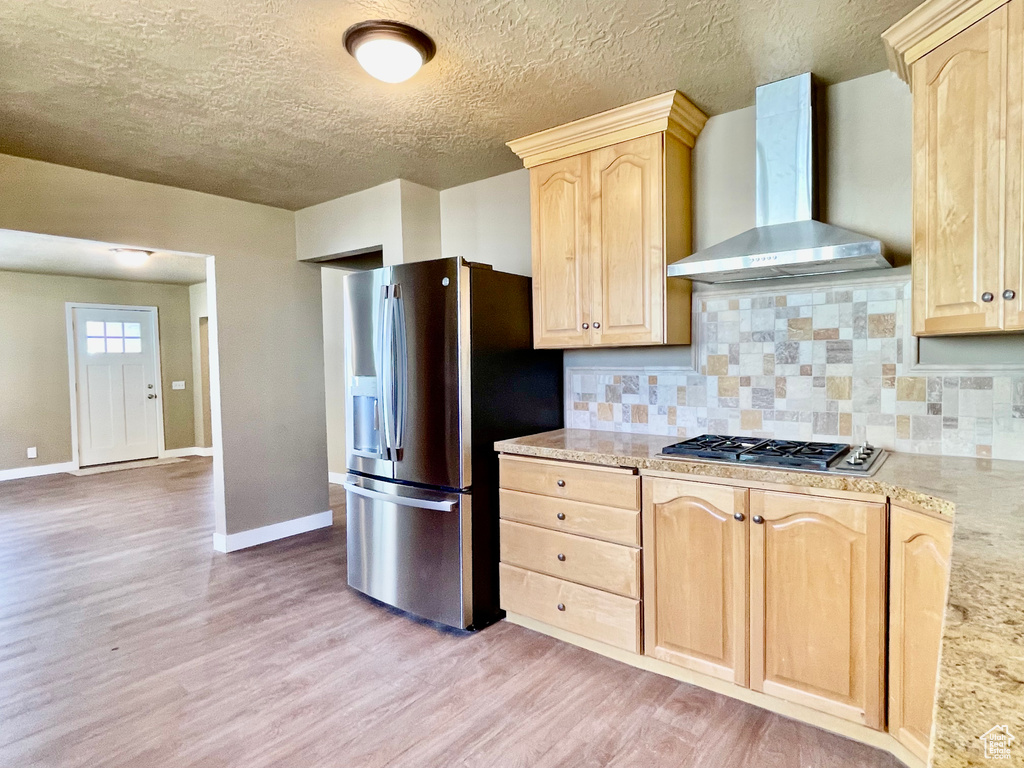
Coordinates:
(817, 603)
(918, 580)
(964, 60)
(695, 576)
(610, 208)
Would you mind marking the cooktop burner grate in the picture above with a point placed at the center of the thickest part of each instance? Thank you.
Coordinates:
(715, 446)
(794, 453)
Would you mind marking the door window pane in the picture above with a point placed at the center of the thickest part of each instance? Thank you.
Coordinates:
(95, 346)
(94, 328)
(133, 330)
(115, 346)
(132, 346)
(114, 329)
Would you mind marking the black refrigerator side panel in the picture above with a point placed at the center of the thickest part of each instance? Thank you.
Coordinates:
(516, 390)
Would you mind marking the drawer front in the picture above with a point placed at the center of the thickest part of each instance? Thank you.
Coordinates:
(621, 526)
(608, 486)
(589, 612)
(611, 567)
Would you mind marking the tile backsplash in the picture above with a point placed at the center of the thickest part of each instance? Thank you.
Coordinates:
(827, 363)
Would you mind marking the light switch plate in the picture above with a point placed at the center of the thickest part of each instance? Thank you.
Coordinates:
(31, 452)
(177, 385)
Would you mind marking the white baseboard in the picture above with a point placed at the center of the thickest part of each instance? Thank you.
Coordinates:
(336, 478)
(43, 469)
(177, 453)
(233, 542)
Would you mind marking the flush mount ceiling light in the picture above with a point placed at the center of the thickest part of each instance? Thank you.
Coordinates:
(131, 257)
(389, 50)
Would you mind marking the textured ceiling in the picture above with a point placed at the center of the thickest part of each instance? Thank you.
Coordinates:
(48, 255)
(257, 99)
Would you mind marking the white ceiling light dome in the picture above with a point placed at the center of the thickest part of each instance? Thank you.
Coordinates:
(389, 50)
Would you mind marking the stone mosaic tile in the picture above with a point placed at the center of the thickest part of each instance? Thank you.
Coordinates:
(817, 365)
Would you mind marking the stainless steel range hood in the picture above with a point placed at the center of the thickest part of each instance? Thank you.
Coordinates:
(787, 241)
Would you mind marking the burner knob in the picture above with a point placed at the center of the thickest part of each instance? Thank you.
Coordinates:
(869, 446)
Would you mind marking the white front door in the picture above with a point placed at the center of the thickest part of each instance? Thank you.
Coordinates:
(117, 376)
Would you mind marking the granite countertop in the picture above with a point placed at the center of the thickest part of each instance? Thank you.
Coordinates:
(981, 677)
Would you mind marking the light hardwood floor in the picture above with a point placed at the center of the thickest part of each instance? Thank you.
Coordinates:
(126, 641)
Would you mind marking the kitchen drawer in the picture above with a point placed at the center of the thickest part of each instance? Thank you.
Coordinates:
(611, 619)
(611, 567)
(621, 526)
(609, 486)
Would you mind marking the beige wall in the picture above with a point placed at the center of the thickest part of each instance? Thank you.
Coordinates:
(35, 401)
(489, 221)
(269, 432)
(197, 302)
(333, 284)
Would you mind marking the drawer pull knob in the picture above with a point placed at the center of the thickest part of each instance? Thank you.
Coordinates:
(561, 557)
(585, 326)
(597, 325)
(560, 515)
(987, 297)
(738, 517)
(758, 519)
(1009, 294)
(561, 606)
(560, 483)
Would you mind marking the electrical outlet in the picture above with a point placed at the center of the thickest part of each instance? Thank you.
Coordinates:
(31, 452)
(177, 385)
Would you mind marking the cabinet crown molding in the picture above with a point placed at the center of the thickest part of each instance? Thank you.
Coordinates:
(928, 26)
(669, 112)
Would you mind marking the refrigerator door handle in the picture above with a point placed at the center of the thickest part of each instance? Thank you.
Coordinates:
(385, 377)
(401, 369)
(403, 501)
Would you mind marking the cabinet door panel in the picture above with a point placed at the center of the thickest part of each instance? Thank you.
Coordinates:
(959, 108)
(817, 585)
(627, 273)
(559, 202)
(695, 578)
(919, 576)
(1013, 308)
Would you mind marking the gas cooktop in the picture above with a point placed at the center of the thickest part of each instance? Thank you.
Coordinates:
(831, 458)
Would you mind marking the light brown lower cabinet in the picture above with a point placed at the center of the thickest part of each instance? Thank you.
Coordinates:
(817, 603)
(695, 576)
(787, 593)
(918, 580)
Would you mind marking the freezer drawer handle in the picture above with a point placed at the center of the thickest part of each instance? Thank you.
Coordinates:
(405, 501)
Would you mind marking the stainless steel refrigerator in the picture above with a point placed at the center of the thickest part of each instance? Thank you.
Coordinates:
(439, 365)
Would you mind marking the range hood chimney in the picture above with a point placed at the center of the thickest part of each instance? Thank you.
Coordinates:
(787, 241)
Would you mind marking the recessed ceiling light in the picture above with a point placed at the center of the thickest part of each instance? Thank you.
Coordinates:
(389, 50)
(131, 257)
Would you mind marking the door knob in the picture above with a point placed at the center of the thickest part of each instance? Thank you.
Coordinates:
(585, 326)
(1008, 294)
(151, 396)
(739, 517)
(987, 297)
(757, 519)
(597, 325)
(149, 386)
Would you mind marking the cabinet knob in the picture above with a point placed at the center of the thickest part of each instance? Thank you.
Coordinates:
(757, 519)
(597, 325)
(560, 483)
(739, 517)
(1009, 294)
(561, 557)
(585, 326)
(560, 606)
(560, 515)
(987, 297)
